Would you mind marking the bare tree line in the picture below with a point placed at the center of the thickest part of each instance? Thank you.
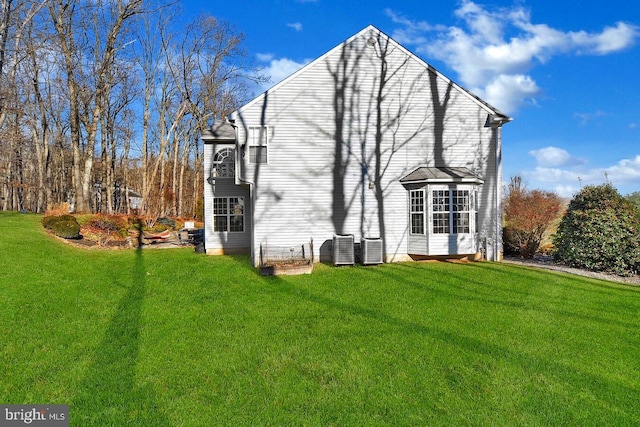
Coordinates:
(101, 98)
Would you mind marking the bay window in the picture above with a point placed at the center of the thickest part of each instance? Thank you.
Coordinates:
(450, 210)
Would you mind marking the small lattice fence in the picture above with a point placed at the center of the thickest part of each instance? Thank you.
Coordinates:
(280, 255)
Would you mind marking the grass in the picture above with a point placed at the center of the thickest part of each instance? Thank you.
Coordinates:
(174, 338)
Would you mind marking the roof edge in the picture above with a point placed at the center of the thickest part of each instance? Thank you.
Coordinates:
(222, 131)
(441, 175)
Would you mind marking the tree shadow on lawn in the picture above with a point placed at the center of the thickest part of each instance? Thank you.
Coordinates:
(109, 395)
(580, 379)
(510, 296)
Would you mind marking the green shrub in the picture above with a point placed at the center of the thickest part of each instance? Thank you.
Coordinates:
(83, 218)
(634, 198)
(67, 228)
(49, 220)
(600, 232)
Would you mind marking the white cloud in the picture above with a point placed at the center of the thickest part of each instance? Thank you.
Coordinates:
(627, 171)
(624, 175)
(613, 39)
(295, 25)
(493, 50)
(411, 32)
(551, 156)
(555, 175)
(566, 190)
(264, 57)
(509, 91)
(278, 69)
(585, 118)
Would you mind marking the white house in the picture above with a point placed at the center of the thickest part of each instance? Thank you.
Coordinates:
(368, 140)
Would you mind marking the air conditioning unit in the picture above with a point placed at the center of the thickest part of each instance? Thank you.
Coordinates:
(343, 253)
(371, 251)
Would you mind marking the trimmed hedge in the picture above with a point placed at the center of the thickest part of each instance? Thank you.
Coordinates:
(49, 220)
(65, 226)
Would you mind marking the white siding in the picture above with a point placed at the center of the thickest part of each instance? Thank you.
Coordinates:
(294, 194)
(224, 242)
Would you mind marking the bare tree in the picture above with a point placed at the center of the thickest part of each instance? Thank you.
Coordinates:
(15, 20)
(202, 77)
(37, 116)
(88, 67)
(78, 89)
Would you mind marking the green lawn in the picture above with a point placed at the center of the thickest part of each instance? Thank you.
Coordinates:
(173, 338)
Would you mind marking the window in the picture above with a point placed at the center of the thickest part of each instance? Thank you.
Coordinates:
(460, 208)
(224, 163)
(440, 211)
(258, 144)
(228, 214)
(417, 211)
(451, 210)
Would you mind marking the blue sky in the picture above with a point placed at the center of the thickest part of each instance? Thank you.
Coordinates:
(567, 71)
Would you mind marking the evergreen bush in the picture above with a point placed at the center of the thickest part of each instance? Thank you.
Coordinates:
(600, 232)
(65, 226)
(49, 220)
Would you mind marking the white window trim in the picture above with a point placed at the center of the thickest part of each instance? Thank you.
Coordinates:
(229, 158)
(471, 204)
(424, 211)
(428, 211)
(446, 212)
(262, 142)
(229, 214)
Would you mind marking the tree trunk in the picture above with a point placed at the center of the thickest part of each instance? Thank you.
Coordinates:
(184, 158)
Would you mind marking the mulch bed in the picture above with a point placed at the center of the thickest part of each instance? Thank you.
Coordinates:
(116, 244)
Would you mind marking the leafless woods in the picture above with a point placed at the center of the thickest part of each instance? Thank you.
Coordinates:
(102, 103)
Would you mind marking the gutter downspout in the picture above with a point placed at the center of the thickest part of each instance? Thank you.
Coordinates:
(497, 121)
(241, 180)
(497, 250)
